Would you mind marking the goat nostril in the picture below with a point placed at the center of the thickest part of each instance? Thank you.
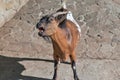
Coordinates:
(37, 25)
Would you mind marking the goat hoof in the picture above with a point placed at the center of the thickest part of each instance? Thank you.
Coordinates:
(76, 79)
(54, 79)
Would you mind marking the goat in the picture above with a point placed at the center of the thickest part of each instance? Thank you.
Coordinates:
(64, 32)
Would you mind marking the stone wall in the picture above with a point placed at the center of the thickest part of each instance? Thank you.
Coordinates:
(8, 8)
(101, 34)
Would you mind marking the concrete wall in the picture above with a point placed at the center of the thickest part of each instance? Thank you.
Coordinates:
(8, 8)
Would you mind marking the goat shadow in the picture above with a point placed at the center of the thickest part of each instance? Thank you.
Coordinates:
(11, 69)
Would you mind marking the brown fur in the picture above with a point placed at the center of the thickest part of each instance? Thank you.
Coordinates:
(63, 48)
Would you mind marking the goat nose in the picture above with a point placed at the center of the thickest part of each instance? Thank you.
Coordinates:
(37, 25)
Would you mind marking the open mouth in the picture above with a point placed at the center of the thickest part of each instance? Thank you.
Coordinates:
(41, 29)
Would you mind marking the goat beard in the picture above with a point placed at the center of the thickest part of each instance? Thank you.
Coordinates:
(47, 38)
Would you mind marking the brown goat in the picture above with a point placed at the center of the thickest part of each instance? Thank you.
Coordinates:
(64, 33)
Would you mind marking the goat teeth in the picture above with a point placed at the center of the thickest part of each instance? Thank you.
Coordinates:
(42, 31)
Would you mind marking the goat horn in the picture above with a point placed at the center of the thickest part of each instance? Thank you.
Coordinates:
(63, 2)
(60, 13)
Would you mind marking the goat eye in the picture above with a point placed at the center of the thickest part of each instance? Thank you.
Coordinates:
(51, 19)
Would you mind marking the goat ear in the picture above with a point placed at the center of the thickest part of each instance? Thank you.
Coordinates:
(61, 18)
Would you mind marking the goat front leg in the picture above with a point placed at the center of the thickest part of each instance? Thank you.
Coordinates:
(56, 62)
(73, 65)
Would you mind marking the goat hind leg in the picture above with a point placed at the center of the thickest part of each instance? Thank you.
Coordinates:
(55, 70)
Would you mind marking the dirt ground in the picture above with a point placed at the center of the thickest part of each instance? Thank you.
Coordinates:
(26, 56)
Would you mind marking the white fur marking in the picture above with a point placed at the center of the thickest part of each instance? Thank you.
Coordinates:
(59, 62)
(74, 67)
(70, 17)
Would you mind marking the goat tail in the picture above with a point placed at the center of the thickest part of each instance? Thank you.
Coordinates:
(63, 2)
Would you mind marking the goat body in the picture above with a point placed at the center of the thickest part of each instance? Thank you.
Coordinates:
(64, 33)
(65, 40)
